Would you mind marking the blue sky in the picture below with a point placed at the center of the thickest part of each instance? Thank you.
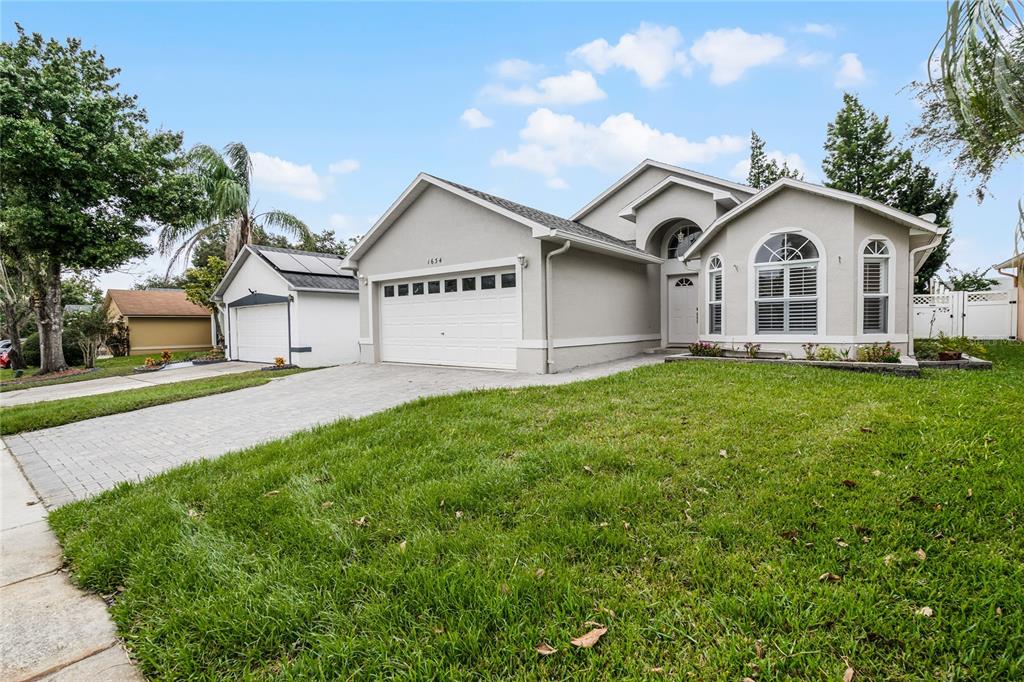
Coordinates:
(546, 104)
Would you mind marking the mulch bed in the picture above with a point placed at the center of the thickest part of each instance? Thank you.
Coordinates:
(47, 377)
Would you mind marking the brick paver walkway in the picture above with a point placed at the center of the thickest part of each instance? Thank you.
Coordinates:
(78, 460)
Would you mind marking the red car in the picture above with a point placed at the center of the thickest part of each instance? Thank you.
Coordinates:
(5, 360)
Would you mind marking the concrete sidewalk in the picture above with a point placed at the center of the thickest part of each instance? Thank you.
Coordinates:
(77, 389)
(49, 630)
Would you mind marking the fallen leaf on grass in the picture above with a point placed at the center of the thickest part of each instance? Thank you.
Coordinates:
(888, 559)
(327, 505)
(545, 649)
(271, 493)
(657, 670)
(876, 473)
(759, 649)
(866, 429)
(722, 453)
(401, 546)
(830, 578)
(458, 515)
(589, 469)
(748, 679)
(539, 573)
(790, 534)
(921, 556)
(438, 630)
(590, 639)
(361, 521)
(840, 543)
(925, 611)
(999, 611)
(970, 493)
(848, 675)
(625, 525)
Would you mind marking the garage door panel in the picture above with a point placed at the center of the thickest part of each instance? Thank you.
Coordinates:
(261, 332)
(477, 327)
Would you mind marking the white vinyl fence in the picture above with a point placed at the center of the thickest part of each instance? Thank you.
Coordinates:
(979, 314)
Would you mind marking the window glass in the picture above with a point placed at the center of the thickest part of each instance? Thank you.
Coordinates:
(508, 280)
(403, 289)
(786, 292)
(417, 288)
(451, 285)
(434, 287)
(389, 290)
(468, 283)
(487, 281)
(786, 247)
(684, 234)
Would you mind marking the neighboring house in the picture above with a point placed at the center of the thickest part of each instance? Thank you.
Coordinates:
(283, 303)
(1014, 269)
(664, 257)
(159, 320)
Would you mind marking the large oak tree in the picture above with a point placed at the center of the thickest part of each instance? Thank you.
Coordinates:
(83, 177)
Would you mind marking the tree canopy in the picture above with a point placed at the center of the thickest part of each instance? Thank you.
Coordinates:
(765, 170)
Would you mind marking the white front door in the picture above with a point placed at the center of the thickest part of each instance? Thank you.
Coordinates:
(683, 308)
(470, 319)
(261, 332)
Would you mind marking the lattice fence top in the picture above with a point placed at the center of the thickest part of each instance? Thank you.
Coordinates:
(932, 299)
(988, 296)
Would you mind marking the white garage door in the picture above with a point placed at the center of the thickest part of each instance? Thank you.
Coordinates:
(261, 332)
(469, 319)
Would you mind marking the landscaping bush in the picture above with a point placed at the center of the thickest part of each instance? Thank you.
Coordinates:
(752, 349)
(828, 354)
(705, 349)
(878, 353)
(30, 351)
(929, 349)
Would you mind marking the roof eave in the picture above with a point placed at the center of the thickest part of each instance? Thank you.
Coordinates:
(555, 235)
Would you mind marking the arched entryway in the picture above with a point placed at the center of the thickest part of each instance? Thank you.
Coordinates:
(681, 289)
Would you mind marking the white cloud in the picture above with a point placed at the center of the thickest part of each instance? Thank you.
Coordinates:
(792, 160)
(576, 87)
(557, 183)
(516, 69)
(278, 175)
(474, 119)
(851, 71)
(813, 59)
(651, 52)
(553, 141)
(344, 166)
(339, 222)
(731, 51)
(826, 30)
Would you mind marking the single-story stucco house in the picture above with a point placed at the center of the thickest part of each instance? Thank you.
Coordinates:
(284, 303)
(666, 256)
(159, 320)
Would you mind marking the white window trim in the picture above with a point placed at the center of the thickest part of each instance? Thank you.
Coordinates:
(822, 269)
(890, 285)
(707, 293)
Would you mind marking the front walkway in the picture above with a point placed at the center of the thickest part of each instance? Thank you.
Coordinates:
(48, 629)
(84, 387)
(77, 460)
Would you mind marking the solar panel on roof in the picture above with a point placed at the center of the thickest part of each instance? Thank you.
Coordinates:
(313, 264)
(285, 262)
(335, 265)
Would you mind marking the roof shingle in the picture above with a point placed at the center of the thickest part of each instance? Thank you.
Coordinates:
(155, 303)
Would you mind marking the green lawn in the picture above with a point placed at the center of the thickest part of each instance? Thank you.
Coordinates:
(107, 367)
(692, 508)
(44, 415)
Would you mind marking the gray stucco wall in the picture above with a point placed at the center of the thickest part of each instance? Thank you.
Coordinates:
(603, 307)
(672, 204)
(841, 229)
(605, 216)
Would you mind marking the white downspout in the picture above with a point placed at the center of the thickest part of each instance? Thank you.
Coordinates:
(549, 360)
(910, 295)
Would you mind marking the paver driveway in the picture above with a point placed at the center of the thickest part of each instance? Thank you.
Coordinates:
(78, 460)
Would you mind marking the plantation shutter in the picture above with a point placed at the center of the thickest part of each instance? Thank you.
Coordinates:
(715, 307)
(876, 299)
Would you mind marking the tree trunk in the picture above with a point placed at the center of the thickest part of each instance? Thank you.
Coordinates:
(12, 330)
(49, 320)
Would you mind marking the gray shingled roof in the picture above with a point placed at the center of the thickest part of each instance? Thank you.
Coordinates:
(544, 218)
(305, 280)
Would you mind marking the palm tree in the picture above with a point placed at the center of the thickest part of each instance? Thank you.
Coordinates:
(226, 179)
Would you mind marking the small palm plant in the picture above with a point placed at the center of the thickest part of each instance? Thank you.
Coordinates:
(227, 181)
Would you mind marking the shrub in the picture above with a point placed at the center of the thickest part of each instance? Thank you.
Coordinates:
(878, 353)
(752, 349)
(150, 362)
(828, 354)
(30, 351)
(705, 349)
(166, 356)
(926, 349)
(929, 349)
(810, 351)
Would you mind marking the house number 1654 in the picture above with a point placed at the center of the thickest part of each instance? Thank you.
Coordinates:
(434, 261)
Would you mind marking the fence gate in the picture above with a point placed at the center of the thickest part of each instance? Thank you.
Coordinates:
(979, 314)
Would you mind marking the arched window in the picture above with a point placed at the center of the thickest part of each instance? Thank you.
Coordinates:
(684, 233)
(684, 282)
(786, 285)
(875, 287)
(715, 295)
